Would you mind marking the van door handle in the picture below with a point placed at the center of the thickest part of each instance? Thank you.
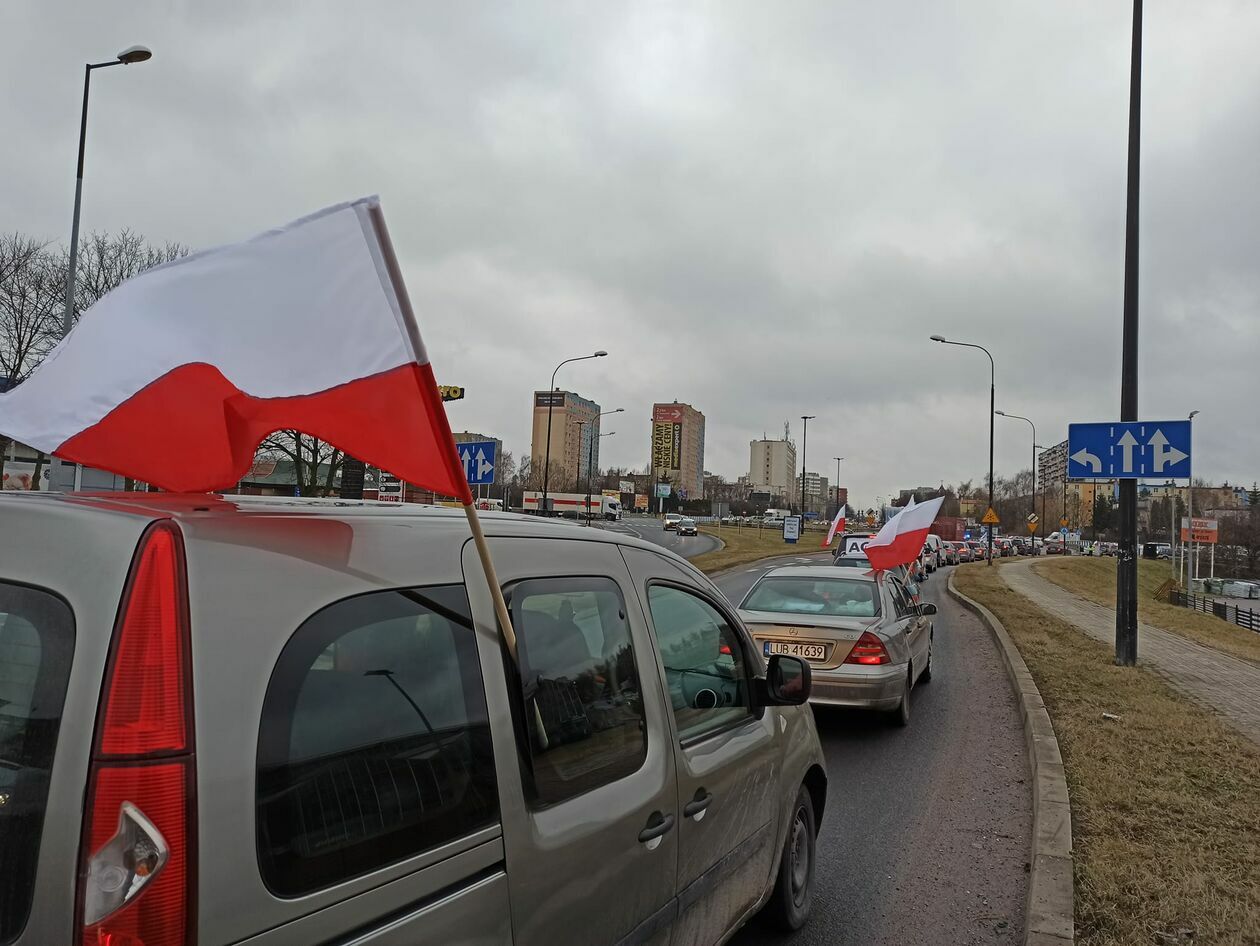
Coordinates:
(658, 826)
(696, 807)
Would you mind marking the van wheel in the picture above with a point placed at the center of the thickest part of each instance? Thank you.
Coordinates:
(901, 715)
(793, 894)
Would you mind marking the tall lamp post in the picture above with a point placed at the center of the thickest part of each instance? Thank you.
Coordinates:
(805, 418)
(591, 462)
(590, 459)
(992, 410)
(551, 400)
(1193, 571)
(1034, 461)
(838, 461)
(129, 56)
(1037, 446)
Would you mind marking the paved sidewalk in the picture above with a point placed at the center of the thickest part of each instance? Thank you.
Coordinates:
(1224, 683)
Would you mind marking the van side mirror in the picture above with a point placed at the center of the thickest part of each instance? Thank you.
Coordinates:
(787, 681)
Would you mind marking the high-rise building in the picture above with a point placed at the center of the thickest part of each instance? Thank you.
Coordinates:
(678, 447)
(772, 468)
(1052, 467)
(574, 438)
(815, 493)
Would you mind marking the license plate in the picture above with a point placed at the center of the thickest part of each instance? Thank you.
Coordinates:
(807, 651)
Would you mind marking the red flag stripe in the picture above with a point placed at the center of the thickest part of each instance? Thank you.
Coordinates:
(200, 431)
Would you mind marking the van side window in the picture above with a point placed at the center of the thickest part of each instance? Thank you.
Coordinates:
(374, 744)
(583, 705)
(704, 661)
(36, 647)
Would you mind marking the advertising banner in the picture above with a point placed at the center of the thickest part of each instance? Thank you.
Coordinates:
(664, 452)
(791, 528)
(611, 494)
(1203, 531)
(552, 399)
(667, 413)
(641, 502)
(627, 486)
(662, 490)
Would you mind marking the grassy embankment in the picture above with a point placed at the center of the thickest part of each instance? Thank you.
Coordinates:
(1165, 799)
(749, 545)
(1095, 579)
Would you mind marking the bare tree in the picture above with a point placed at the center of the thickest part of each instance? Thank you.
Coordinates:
(30, 324)
(106, 261)
(316, 463)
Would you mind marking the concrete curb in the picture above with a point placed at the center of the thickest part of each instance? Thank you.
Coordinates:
(1050, 909)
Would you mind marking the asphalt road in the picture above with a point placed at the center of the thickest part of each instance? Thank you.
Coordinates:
(926, 835)
(652, 530)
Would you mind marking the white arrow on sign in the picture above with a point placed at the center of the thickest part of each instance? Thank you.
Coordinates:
(482, 466)
(1085, 458)
(1162, 453)
(1126, 444)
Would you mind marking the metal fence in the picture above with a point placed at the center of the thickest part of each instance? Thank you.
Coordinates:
(1243, 617)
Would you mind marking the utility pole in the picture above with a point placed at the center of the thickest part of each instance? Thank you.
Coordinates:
(1126, 571)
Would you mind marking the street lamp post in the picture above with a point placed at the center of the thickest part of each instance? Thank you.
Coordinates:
(1193, 570)
(551, 400)
(992, 410)
(590, 458)
(1034, 460)
(1037, 446)
(127, 57)
(805, 418)
(838, 460)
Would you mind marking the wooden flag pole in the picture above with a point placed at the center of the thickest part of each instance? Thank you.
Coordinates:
(474, 522)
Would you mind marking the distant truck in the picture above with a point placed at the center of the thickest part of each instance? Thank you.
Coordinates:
(776, 515)
(949, 528)
(574, 505)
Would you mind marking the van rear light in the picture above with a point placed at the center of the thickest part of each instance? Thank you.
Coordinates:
(869, 650)
(139, 836)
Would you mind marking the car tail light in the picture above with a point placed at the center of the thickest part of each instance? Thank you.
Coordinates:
(139, 833)
(869, 649)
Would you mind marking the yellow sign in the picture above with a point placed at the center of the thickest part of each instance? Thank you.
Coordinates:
(990, 518)
(1032, 527)
(1063, 521)
(451, 392)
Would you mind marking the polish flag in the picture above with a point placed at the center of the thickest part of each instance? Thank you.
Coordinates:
(176, 376)
(837, 524)
(901, 540)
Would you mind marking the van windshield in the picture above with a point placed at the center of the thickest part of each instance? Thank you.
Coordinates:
(36, 645)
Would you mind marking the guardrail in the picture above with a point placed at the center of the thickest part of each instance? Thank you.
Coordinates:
(1243, 617)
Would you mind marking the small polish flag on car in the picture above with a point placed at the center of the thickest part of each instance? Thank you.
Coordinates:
(901, 540)
(837, 525)
(176, 376)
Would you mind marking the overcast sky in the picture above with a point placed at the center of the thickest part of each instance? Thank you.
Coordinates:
(762, 209)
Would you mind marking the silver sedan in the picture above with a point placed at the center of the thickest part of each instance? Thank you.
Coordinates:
(866, 641)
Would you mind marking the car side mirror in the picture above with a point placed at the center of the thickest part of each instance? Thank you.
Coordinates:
(787, 681)
(927, 609)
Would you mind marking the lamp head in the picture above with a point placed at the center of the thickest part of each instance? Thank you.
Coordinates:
(600, 354)
(1192, 413)
(937, 338)
(134, 54)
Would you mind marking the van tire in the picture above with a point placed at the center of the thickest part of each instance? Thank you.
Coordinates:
(793, 894)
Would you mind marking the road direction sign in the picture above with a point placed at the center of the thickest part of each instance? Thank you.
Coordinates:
(1063, 532)
(1129, 450)
(477, 458)
(990, 518)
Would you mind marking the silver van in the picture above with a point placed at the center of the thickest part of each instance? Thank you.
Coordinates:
(286, 722)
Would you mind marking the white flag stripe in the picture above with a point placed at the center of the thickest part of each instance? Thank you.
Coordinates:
(315, 290)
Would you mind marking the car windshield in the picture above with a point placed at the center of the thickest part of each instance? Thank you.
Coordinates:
(688, 522)
(841, 597)
(853, 561)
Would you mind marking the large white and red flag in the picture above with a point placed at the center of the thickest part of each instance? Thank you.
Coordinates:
(901, 539)
(837, 524)
(176, 376)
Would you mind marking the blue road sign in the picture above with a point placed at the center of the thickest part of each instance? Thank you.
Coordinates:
(1133, 450)
(477, 457)
(1063, 532)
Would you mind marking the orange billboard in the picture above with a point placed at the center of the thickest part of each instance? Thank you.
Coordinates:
(1202, 531)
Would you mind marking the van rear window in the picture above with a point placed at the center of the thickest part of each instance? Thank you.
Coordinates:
(36, 646)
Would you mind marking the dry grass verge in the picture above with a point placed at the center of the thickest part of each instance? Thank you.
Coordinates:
(749, 545)
(1165, 799)
(1095, 579)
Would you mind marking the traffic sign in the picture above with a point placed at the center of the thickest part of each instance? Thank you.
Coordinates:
(1129, 450)
(1063, 521)
(990, 518)
(1032, 526)
(870, 520)
(1032, 518)
(1064, 532)
(477, 458)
